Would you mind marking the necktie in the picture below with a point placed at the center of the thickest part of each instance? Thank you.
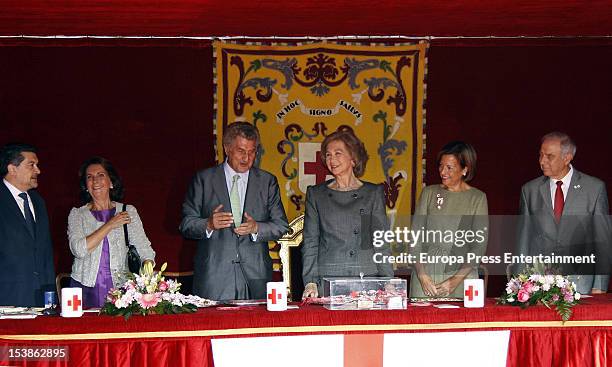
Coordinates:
(559, 202)
(235, 201)
(29, 218)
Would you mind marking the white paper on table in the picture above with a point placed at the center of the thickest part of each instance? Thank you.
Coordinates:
(445, 305)
(12, 310)
(24, 316)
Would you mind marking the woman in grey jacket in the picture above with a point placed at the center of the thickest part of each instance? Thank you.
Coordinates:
(340, 217)
(96, 235)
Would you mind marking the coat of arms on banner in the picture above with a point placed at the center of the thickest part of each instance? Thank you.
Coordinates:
(296, 95)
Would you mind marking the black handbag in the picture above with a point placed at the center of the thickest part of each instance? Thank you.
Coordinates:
(133, 258)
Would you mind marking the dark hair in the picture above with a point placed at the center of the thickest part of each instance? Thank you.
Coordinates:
(11, 154)
(116, 193)
(465, 154)
(354, 146)
(240, 128)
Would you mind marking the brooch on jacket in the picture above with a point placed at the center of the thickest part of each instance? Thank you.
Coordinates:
(439, 201)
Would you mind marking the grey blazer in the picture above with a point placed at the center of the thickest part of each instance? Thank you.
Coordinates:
(584, 226)
(81, 223)
(228, 266)
(338, 227)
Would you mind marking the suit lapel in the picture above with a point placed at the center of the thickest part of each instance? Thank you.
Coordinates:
(251, 191)
(220, 186)
(37, 204)
(10, 203)
(545, 193)
(573, 192)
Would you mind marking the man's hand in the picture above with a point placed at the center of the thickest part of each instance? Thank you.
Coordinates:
(219, 219)
(247, 227)
(310, 291)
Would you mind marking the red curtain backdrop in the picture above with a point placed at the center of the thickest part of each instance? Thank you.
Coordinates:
(306, 18)
(148, 109)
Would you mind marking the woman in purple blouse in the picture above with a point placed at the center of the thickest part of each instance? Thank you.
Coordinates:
(95, 233)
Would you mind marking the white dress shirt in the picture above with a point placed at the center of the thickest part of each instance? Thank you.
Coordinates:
(242, 183)
(564, 186)
(20, 202)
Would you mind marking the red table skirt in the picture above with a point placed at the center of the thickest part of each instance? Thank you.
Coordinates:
(542, 347)
(537, 336)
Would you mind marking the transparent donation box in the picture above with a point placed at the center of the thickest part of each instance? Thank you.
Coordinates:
(365, 293)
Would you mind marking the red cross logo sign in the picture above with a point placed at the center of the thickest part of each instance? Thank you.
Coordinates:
(75, 302)
(273, 296)
(474, 293)
(316, 168)
(72, 302)
(276, 296)
(311, 170)
(470, 293)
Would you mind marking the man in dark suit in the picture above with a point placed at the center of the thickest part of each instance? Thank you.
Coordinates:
(233, 210)
(565, 212)
(26, 253)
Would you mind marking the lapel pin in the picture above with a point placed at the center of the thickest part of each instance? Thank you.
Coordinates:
(576, 186)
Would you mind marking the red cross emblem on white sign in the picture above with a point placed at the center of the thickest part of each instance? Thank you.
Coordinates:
(75, 302)
(470, 293)
(273, 296)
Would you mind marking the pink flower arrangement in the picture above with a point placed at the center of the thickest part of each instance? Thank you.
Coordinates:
(528, 286)
(555, 298)
(148, 300)
(523, 295)
(162, 286)
(150, 293)
(548, 290)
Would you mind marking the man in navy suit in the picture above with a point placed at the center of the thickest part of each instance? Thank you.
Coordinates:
(26, 253)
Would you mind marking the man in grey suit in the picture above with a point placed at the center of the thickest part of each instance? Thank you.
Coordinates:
(565, 212)
(233, 210)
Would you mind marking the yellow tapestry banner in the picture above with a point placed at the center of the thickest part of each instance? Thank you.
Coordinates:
(296, 95)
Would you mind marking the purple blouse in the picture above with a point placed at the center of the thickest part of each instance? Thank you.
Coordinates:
(96, 296)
